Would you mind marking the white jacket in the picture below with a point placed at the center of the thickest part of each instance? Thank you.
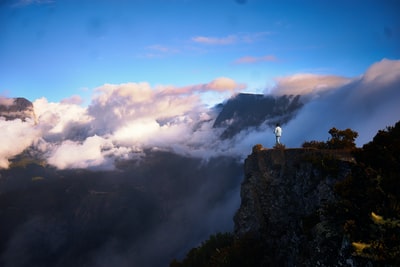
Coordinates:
(278, 131)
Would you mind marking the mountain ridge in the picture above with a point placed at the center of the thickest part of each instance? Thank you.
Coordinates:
(17, 108)
(252, 110)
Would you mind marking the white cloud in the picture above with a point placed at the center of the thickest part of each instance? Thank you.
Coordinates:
(73, 100)
(307, 83)
(230, 39)
(15, 137)
(137, 132)
(80, 155)
(54, 118)
(365, 104)
(124, 119)
(382, 73)
(252, 59)
(118, 106)
(127, 118)
(222, 84)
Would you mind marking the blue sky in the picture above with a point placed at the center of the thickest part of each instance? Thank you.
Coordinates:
(60, 48)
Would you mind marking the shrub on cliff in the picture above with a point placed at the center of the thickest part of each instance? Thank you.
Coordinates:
(368, 210)
(315, 144)
(224, 250)
(340, 139)
(370, 199)
(257, 148)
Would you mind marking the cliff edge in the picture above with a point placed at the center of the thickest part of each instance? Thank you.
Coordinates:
(283, 198)
(315, 206)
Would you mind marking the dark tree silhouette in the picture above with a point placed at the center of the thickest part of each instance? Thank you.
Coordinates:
(342, 138)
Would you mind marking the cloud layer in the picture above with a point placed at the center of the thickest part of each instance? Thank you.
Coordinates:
(16, 136)
(366, 104)
(123, 120)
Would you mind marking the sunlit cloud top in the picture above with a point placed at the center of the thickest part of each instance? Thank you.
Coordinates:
(124, 120)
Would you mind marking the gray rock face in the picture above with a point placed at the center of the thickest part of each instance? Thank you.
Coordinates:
(16, 108)
(283, 198)
(252, 110)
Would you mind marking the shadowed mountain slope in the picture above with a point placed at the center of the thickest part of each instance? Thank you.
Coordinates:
(16, 108)
(141, 214)
(251, 110)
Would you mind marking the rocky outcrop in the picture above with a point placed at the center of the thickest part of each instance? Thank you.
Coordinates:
(284, 198)
(16, 108)
(252, 110)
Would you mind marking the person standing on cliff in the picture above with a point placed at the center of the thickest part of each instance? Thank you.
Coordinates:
(278, 133)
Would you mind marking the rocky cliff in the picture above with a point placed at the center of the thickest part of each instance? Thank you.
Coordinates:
(252, 110)
(314, 207)
(284, 198)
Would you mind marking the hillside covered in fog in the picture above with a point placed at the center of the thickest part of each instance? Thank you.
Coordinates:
(143, 171)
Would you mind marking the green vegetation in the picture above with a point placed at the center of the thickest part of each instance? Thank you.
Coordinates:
(340, 139)
(23, 161)
(367, 212)
(224, 250)
(37, 178)
(257, 148)
(370, 199)
(341, 144)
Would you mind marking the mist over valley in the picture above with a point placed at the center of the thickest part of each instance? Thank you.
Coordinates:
(142, 174)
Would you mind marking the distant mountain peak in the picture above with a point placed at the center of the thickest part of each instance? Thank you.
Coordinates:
(252, 110)
(16, 108)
